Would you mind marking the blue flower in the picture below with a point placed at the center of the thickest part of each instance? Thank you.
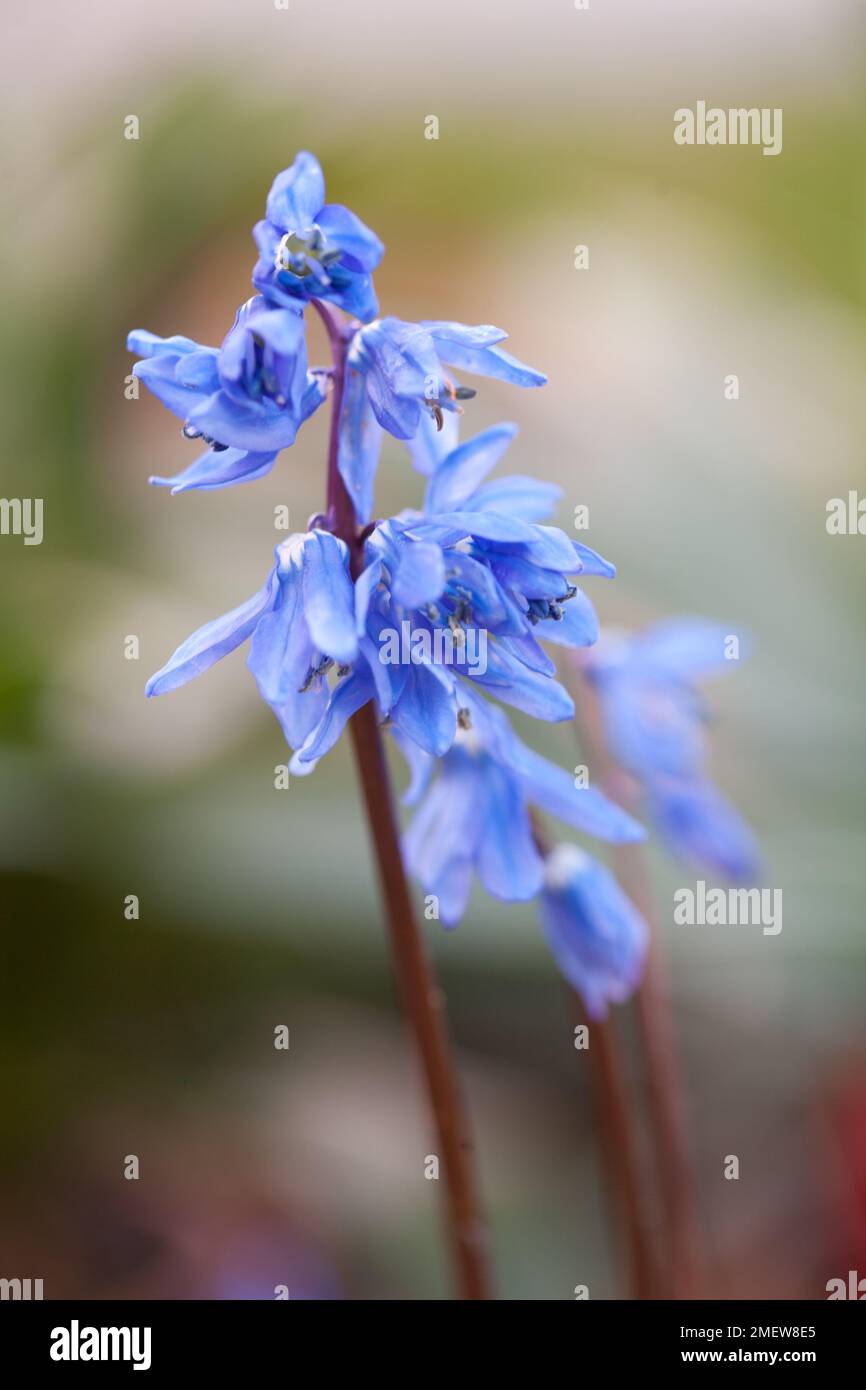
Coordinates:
(595, 933)
(245, 400)
(302, 623)
(653, 714)
(654, 725)
(312, 250)
(395, 381)
(475, 818)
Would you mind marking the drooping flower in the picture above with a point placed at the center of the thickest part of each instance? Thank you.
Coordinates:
(302, 623)
(312, 250)
(595, 933)
(395, 381)
(654, 723)
(475, 818)
(245, 400)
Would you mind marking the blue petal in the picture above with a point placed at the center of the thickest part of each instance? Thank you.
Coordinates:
(260, 426)
(487, 361)
(329, 601)
(420, 576)
(198, 370)
(365, 587)
(685, 647)
(553, 789)
(551, 549)
(431, 444)
(360, 444)
(282, 650)
(212, 642)
(297, 195)
(527, 578)
(346, 698)
(701, 826)
(489, 604)
(299, 715)
(158, 375)
(439, 846)
(506, 530)
(525, 648)
(387, 680)
(593, 563)
(219, 468)
(508, 862)
(362, 248)
(596, 935)
(578, 626)
(516, 685)
(427, 710)
(420, 764)
(653, 724)
(462, 335)
(460, 473)
(517, 495)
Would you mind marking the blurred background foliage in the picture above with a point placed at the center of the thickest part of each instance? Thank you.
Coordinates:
(259, 907)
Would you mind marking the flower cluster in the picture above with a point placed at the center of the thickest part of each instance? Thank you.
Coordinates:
(436, 617)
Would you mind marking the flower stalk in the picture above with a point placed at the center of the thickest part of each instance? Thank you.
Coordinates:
(618, 1130)
(421, 998)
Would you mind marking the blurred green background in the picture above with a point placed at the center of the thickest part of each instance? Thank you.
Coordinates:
(155, 1037)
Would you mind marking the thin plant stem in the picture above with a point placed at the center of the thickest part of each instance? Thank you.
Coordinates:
(618, 1131)
(664, 1083)
(421, 997)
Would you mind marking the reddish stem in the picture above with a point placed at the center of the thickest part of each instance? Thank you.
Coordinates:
(421, 997)
(618, 1129)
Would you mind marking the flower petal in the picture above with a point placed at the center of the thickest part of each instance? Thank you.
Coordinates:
(346, 698)
(329, 601)
(212, 642)
(528, 498)
(592, 563)
(578, 626)
(431, 443)
(420, 764)
(365, 587)
(362, 249)
(297, 194)
(685, 648)
(360, 444)
(508, 862)
(420, 576)
(282, 650)
(457, 477)
(701, 826)
(217, 469)
(427, 709)
(595, 933)
(554, 790)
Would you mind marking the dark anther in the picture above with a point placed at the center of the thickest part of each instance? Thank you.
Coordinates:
(464, 718)
(464, 393)
(436, 411)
